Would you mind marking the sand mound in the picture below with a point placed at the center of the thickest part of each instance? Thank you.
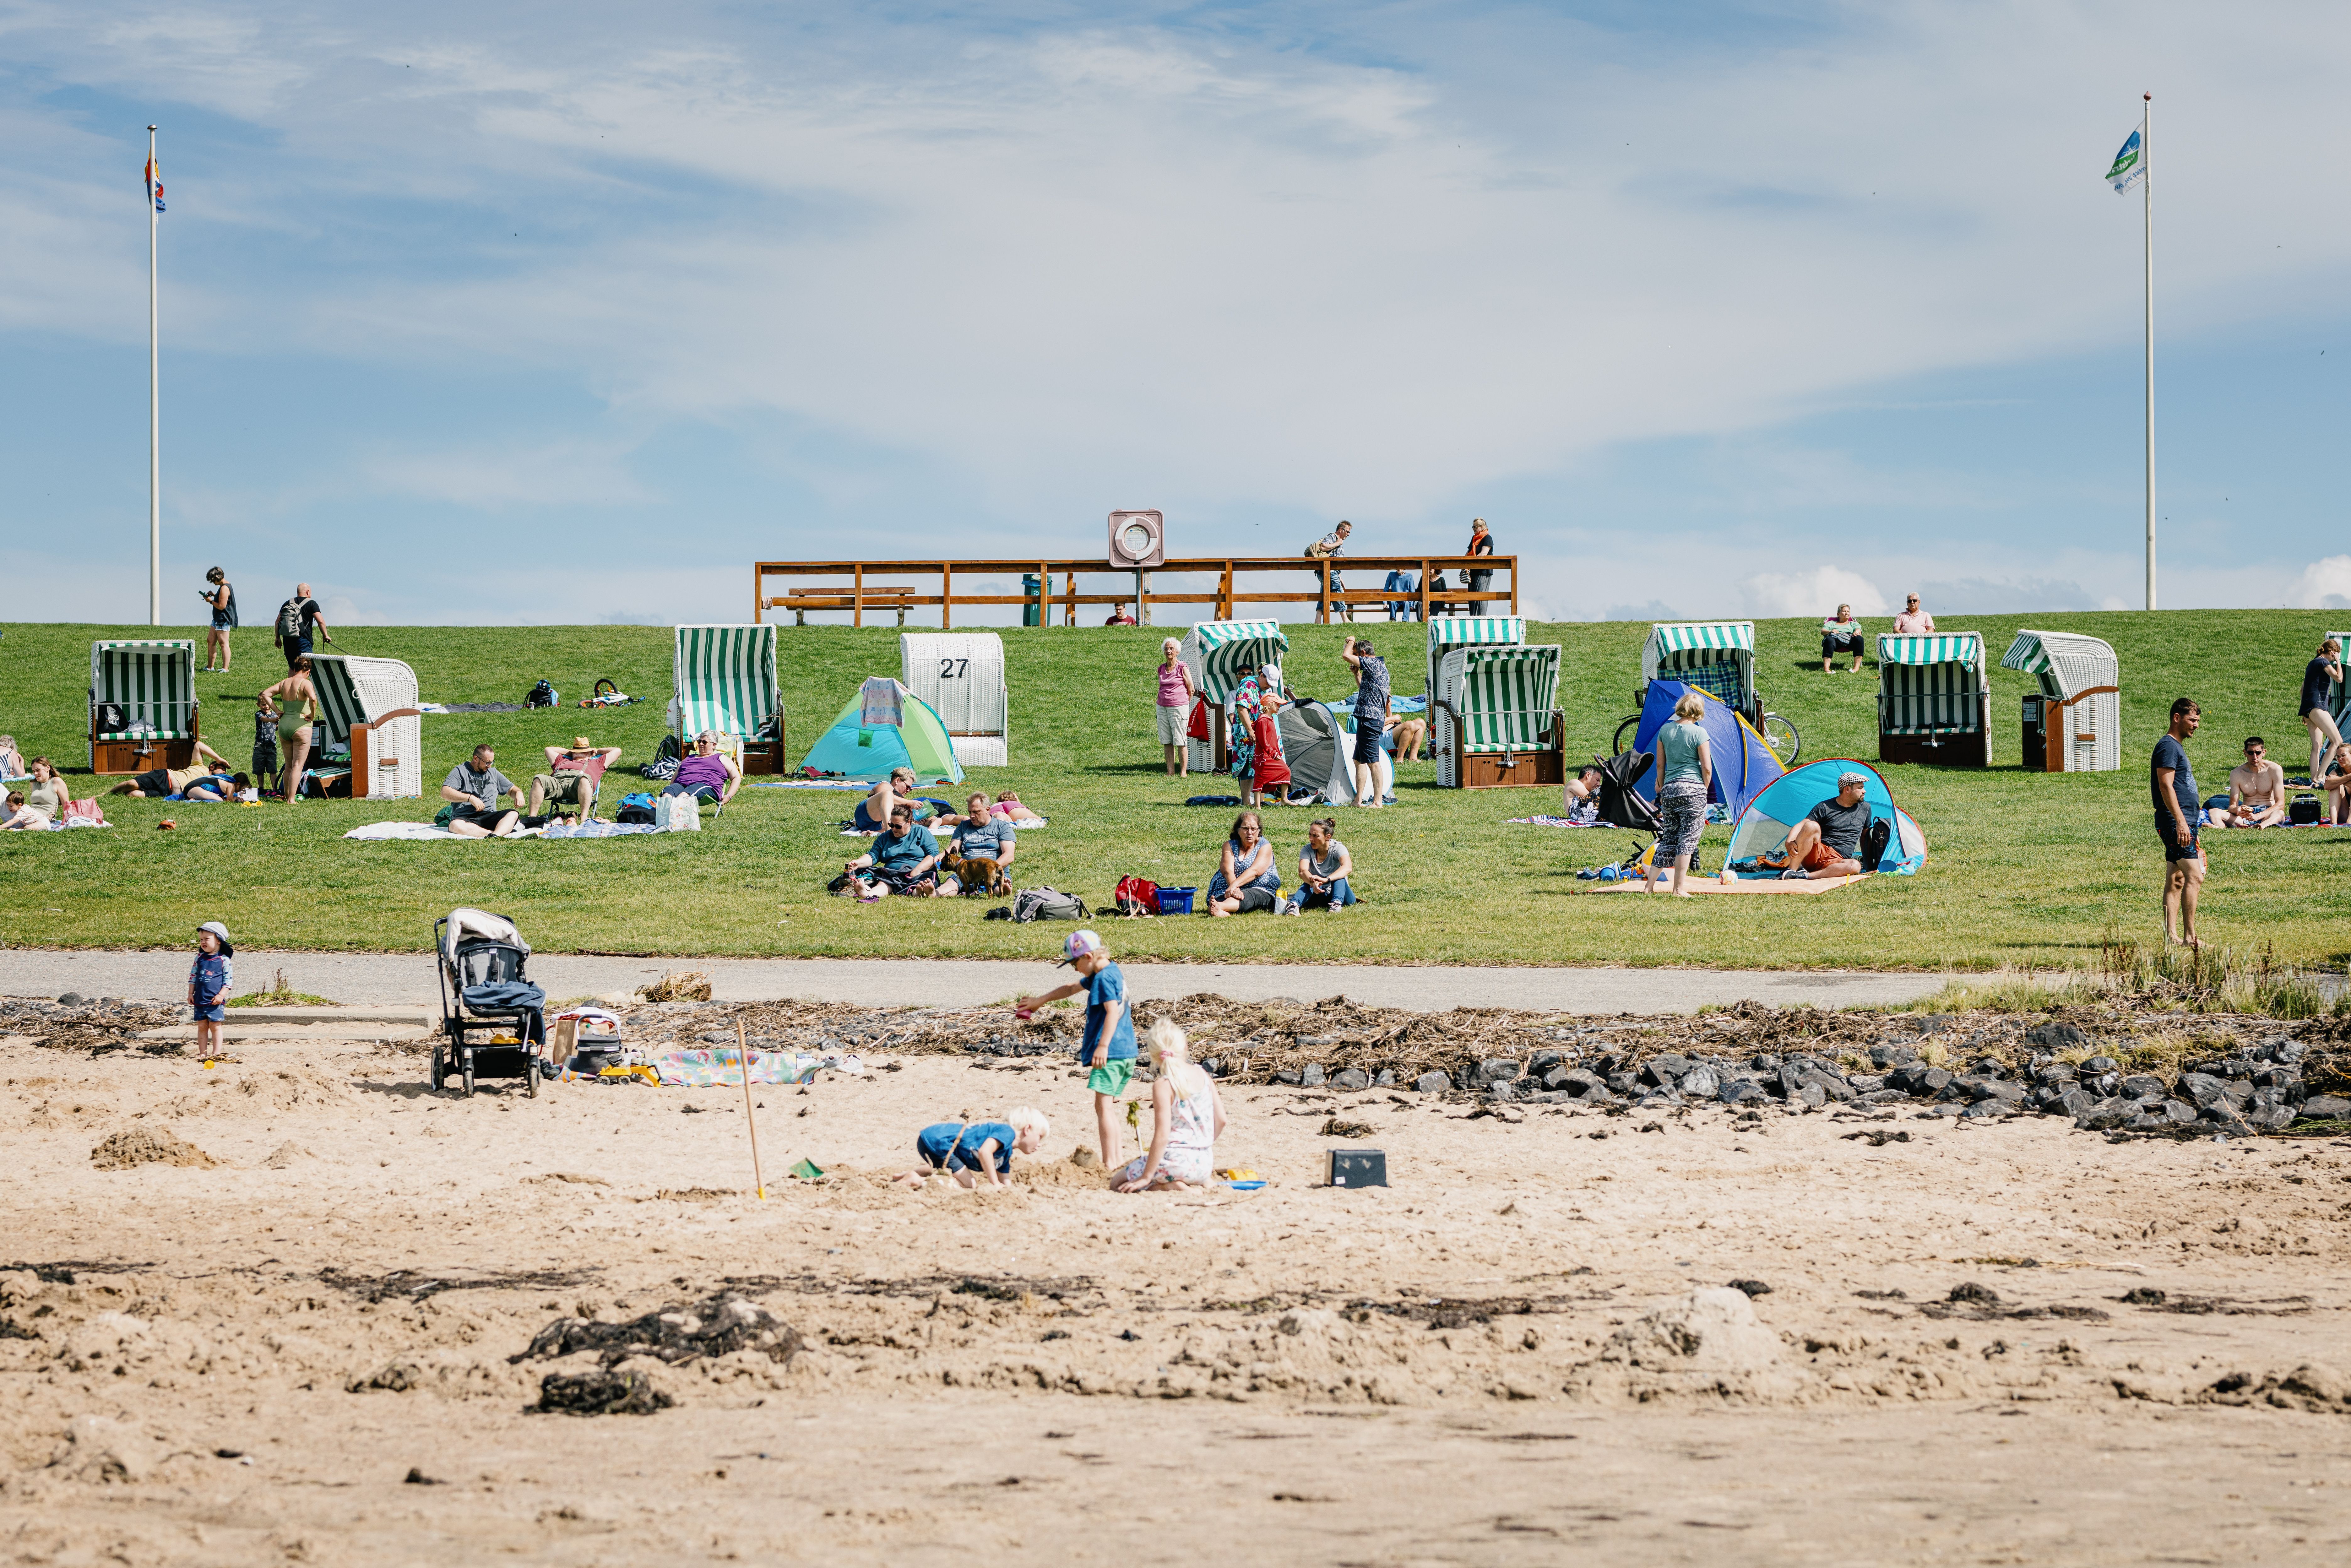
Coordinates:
(1062, 1172)
(2310, 1386)
(147, 1147)
(263, 1093)
(286, 1155)
(1709, 1345)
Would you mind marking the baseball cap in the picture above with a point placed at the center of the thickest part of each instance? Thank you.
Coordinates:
(1078, 945)
(1850, 776)
(217, 929)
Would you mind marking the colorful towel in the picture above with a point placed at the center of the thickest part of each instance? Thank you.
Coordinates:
(722, 1067)
(813, 784)
(594, 830)
(1554, 822)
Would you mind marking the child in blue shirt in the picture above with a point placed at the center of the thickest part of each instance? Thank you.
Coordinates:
(208, 983)
(978, 1153)
(1109, 1045)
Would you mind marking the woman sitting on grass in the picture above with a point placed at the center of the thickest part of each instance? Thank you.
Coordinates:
(1245, 879)
(1186, 1118)
(873, 814)
(2335, 781)
(976, 1154)
(49, 793)
(1323, 866)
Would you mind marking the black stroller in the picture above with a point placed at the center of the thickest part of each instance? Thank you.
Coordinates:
(1621, 801)
(484, 992)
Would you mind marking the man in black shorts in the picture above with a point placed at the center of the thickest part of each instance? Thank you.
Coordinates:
(2178, 807)
(1372, 693)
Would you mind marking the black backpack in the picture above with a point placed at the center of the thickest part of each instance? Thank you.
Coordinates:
(664, 763)
(541, 696)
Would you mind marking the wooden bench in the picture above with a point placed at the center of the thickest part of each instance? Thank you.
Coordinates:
(800, 601)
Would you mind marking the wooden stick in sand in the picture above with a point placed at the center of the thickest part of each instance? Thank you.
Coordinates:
(742, 1053)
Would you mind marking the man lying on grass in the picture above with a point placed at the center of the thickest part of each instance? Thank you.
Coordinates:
(159, 782)
(1827, 843)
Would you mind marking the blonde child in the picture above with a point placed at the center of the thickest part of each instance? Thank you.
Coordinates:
(208, 981)
(978, 1153)
(1185, 1118)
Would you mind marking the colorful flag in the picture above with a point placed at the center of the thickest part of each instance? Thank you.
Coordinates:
(155, 185)
(2130, 163)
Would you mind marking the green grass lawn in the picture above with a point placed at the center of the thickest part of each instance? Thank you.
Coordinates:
(2026, 868)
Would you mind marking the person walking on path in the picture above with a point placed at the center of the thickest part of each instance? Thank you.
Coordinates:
(1685, 774)
(2172, 783)
(1177, 692)
(1374, 775)
(299, 619)
(209, 979)
(222, 598)
(1481, 542)
(1330, 547)
(2319, 679)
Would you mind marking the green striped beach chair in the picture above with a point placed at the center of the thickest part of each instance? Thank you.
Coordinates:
(1447, 632)
(1933, 699)
(1496, 719)
(142, 705)
(1220, 655)
(724, 679)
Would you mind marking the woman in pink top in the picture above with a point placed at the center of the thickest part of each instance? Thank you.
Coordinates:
(1913, 621)
(1177, 691)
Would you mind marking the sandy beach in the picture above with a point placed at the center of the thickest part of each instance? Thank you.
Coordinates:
(1520, 1350)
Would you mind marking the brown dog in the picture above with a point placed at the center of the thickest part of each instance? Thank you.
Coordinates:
(978, 874)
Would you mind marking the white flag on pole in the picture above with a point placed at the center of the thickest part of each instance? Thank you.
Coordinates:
(2130, 163)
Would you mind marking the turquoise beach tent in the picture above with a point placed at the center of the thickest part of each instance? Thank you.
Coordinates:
(1763, 825)
(885, 727)
(1743, 764)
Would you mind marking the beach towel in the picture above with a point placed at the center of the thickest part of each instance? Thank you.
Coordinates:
(1554, 822)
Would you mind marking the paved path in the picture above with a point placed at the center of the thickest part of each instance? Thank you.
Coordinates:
(376, 979)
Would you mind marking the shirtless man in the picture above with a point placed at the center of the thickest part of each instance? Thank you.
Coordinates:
(2256, 791)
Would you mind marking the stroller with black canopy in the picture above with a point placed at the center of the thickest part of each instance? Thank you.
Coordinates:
(485, 993)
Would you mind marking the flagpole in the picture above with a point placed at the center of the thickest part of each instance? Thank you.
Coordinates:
(154, 421)
(2146, 199)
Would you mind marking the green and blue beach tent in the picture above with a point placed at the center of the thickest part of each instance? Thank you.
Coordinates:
(1763, 825)
(883, 727)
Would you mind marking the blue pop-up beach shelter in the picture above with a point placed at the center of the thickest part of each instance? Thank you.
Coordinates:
(1743, 764)
(1763, 825)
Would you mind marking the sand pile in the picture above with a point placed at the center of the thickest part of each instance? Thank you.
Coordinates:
(147, 1147)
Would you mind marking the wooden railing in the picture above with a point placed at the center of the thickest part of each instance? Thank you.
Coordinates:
(1057, 586)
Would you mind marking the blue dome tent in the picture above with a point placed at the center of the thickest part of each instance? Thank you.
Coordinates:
(1781, 805)
(1743, 764)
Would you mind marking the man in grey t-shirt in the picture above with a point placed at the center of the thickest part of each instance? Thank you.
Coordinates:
(473, 789)
(1374, 775)
(1827, 843)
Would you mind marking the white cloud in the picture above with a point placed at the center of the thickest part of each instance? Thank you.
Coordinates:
(1815, 593)
(2323, 585)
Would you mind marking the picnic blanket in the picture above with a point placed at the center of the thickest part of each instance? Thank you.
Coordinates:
(469, 707)
(811, 784)
(1553, 823)
(61, 827)
(427, 831)
(722, 1067)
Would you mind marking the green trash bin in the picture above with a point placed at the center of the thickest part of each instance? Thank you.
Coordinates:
(1031, 612)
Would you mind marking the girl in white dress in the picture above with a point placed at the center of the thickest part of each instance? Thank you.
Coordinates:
(1185, 1118)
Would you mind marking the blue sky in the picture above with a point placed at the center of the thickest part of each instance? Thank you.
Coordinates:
(544, 313)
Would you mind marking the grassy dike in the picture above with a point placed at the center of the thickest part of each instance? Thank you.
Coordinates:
(2025, 870)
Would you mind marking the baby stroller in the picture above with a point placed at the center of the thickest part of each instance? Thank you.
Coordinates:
(485, 993)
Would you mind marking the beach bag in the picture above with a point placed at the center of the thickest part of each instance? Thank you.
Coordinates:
(634, 816)
(1047, 904)
(678, 814)
(1136, 895)
(2304, 811)
(84, 812)
(289, 621)
(664, 763)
